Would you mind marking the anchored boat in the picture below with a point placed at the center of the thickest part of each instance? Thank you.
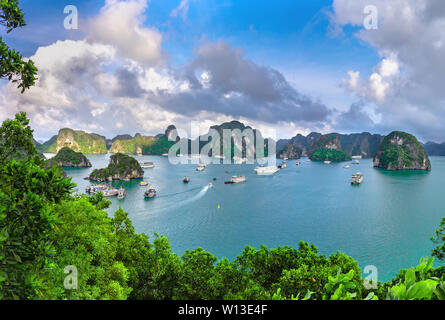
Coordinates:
(186, 180)
(327, 162)
(357, 178)
(143, 184)
(282, 166)
(122, 194)
(236, 179)
(263, 171)
(147, 165)
(150, 193)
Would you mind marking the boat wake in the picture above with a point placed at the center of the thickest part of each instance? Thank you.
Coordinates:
(177, 205)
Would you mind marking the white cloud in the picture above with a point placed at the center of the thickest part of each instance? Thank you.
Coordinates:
(120, 23)
(182, 9)
(407, 84)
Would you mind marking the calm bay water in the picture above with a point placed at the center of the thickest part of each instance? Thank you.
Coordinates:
(386, 222)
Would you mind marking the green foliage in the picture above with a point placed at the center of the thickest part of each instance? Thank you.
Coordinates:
(12, 65)
(69, 157)
(416, 285)
(406, 153)
(330, 154)
(439, 239)
(160, 146)
(120, 165)
(27, 194)
(44, 228)
(16, 139)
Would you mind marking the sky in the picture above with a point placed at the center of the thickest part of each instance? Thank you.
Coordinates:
(284, 67)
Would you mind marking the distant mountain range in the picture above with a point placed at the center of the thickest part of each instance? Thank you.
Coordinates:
(435, 149)
(360, 144)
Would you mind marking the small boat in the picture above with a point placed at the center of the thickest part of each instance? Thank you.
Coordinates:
(127, 179)
(143, 184)
(150, 193)
(285, 159)
(298, 163)
(210, 185)
(346, 166)
(179, 155)
(357, 178)
(147, 165)
(282, 166)
(263, 171)
(111, 193)
(236, 179)
(165, 154)
(186, 180)
(308, 160)
(95, 189)
(201, 167)
(122, 194)
(327, 162)
(356, 162)
(357, 157)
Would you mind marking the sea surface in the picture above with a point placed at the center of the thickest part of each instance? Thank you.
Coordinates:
(386, 222)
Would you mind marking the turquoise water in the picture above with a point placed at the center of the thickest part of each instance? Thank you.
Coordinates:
(386, 222)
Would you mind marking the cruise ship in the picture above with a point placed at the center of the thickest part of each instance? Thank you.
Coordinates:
(266, 170)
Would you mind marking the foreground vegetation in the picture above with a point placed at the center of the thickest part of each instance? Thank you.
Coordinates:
(44, 228)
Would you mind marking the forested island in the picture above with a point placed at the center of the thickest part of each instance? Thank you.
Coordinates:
(121, 167)
(45, 227)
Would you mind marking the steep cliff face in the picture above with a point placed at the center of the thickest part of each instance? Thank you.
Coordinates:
(143, 145)
(401, 151)
(121, 167)
(68, 158)
(79, 141)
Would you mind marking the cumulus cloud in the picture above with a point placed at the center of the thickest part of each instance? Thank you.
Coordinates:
(407, 84)
(220, 79)
(120, 24)
(114, 82)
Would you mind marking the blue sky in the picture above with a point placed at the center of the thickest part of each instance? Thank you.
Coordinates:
(347, 75)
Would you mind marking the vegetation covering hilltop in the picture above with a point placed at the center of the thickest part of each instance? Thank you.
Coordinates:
(144, 145)
(69, 158)
(401, 151)
(114, 262)
(79, 141)
(121, 167)
(328, 148)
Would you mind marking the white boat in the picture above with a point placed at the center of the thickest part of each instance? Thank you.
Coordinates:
(282, 166)
(266, 170)
(356, 162)
(327, 162)
(357, 157)
(346, 166)
(122, 194)
(165, 154)
(201, 167)
(357, 178)
(298, 163)
(237, 179)
(143, 184)
(111, 193)
(147, 165)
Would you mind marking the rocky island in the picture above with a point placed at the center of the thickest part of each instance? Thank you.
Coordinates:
(68, 158)
(401, 151)
(79, 141)
(328, 148)
(121, 167)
